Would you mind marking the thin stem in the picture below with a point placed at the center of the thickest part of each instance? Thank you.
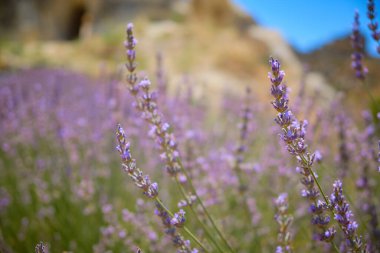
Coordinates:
(204, 208)
(184, 228)
(197, 218)
(335, 247)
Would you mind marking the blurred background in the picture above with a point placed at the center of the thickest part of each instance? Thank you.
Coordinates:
(63, 90)
(218, 40)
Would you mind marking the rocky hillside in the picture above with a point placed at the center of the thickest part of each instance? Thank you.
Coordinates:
(334, 62)
(220, 48)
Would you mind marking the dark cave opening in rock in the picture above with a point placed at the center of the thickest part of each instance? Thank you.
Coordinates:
(75, 22)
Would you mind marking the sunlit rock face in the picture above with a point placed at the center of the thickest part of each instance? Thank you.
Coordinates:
(70, 19)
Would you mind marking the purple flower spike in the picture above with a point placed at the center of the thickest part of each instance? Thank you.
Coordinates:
(41, 248)
(293, 134)
(357, 42)
(130, 45)
(178, 219)
(147, 105)
(171, 225)
(129, 165)
(373, 25)
(343, 215)
(284, 221)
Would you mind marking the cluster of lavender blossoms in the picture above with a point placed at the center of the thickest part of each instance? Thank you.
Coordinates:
(373, 25)
(129, 165)
(170, 224)
(150, 190)
(41, 248)
(147, 105)
(357, 42)
(293, 134)
(246, 116)
(343, 215)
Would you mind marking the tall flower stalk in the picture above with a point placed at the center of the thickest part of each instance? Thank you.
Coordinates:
(293, 134)
(344, 216)
(146, 103)
(242, 147)
(357, 42)
(150, 190)
(373, 24)
(284, 220)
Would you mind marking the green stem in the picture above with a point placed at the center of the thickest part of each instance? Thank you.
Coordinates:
(204, 208)
(335, 247)
(196, 216)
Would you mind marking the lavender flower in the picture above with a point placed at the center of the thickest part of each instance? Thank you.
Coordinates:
(41, 247)
(293, 134)
(343, 215)
(181, 244)
(159, 130)
(284, 220)
(318, 156)
(178, 219)
(129, 165)
(367, 199)
(358, 45)
(147, 105)
(188, 202)
(130, 45)
(241, 147)
(373, 25)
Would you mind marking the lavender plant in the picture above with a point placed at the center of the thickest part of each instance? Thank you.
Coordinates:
(357, 45)
(147, 105)
(373, 25)
(41, 248)
(284, 220)
(293, 134)
(150, 190)
(241, 147)
(343, 215)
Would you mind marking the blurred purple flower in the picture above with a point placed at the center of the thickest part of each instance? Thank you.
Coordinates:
(357, 42)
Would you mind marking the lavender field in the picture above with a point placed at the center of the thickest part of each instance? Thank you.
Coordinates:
(156, 151)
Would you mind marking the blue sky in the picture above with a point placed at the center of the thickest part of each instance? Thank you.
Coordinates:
(308, 24)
